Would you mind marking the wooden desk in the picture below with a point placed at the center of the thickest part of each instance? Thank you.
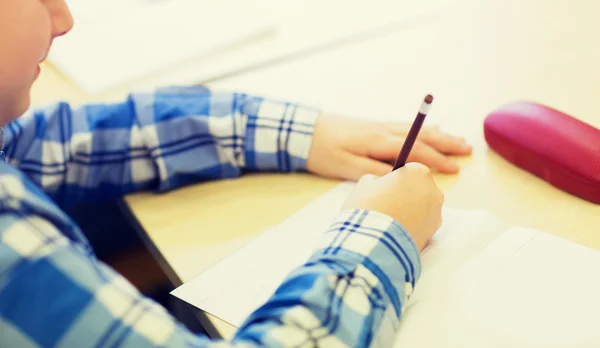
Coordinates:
(478, 57)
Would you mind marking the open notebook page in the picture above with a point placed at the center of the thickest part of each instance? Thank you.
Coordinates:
(525, 289)
(237, 285)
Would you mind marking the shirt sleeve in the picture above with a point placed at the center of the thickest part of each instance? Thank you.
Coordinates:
(351, 293)
(54, 292)
(161, 140)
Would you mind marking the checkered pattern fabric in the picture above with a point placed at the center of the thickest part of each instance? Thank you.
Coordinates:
(55, 293)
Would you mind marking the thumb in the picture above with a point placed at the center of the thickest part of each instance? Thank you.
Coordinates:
(367, 178)
(364, 166)
(430, 157)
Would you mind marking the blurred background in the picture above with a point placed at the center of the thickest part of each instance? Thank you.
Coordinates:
(371, 59)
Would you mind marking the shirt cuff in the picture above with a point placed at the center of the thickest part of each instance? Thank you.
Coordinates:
(377, 242)
(278, 137)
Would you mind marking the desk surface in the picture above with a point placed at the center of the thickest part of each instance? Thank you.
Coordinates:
(472, 61)
(476, 58)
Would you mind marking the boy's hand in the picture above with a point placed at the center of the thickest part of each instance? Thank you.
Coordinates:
(408, 195)
(347, 149)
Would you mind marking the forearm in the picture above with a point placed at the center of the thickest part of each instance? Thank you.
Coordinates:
(156, 141)
(350, 293)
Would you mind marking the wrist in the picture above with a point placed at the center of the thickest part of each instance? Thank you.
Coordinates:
(361, 239)
(380, 225)
(278, 136)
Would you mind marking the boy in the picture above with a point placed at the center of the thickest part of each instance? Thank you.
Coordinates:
(54, 292)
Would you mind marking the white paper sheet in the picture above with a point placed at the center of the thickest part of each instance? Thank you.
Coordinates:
(482, 285)
(526, 289)
(236, 286)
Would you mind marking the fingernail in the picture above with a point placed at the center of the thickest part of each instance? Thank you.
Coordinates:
(453, 166)
(463, 145)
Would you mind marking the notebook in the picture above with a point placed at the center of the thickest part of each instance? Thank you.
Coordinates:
(483, 284)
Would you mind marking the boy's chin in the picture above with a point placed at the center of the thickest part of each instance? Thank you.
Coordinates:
(14, 111)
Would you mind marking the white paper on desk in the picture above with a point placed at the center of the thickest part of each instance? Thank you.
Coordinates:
(525, 289)
(115, 41)
(236, 286)
(482, 285)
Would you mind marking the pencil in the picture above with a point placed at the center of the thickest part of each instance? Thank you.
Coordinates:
(414, 132)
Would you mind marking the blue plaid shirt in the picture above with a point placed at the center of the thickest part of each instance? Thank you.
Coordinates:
(55, 292)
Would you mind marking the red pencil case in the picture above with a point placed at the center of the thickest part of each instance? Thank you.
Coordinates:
(550, 144)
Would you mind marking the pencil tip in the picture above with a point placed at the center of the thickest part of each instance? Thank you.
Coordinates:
(429, 99)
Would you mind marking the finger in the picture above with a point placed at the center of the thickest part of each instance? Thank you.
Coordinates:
(385, 148)
(359, 166)
(388, 148)
(367, 178)
(445, 143)
(402, 129)
(432, 158)
(412, 168)
(418, 166)
(433, 136)
(441, 197)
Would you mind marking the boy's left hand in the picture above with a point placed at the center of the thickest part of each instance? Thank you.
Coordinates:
(347, 149)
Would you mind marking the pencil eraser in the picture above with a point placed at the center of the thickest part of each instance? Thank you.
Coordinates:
(550, 144)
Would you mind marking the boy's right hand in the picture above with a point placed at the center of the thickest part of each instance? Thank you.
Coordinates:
(408, 195)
